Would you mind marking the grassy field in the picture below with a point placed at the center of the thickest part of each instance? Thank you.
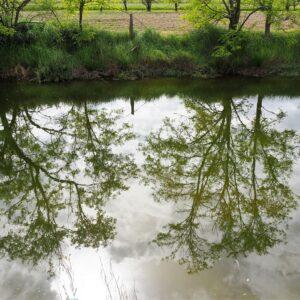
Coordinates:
(164, 22)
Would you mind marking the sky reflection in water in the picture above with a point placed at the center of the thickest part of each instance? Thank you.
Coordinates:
(97, 196)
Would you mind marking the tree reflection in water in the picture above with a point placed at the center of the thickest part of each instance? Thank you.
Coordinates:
(58, 167)
(226, 172)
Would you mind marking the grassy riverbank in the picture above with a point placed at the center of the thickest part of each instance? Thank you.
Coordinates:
(46, 53)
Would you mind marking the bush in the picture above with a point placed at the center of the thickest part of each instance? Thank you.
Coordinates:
(5, 34)
(205, 40)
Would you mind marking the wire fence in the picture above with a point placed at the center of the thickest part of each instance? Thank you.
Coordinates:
(111, 17)
(132, 16)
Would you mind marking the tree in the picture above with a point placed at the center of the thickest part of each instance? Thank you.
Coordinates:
(59, 166)
(207, 11)
(10, 11)
(274, 13)
(148, 4)
(80, 6)
(223, 174)
(125, 4)
(176, 4)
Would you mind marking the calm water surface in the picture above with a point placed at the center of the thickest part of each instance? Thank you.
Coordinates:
(161, 189)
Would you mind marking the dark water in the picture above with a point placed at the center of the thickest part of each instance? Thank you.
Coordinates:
(159, 189)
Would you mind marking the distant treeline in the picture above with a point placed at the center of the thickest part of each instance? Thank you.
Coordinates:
(212, 90)
(200, 12)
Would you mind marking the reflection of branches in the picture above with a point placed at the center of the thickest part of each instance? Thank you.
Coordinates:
(27, 159)
(216, 170)
(38, 175)
(46, 129)
(115, 289)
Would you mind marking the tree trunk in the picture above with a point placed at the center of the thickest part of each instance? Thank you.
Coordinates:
(148, 5)
(268, 24)
(81, 7)
(18, 11)
(17, 17)
(234, 17)
(255, 137)
(233, 23)
(176, 6)
(125, 5)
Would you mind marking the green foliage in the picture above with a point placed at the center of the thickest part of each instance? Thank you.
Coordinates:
(226, 56)
(52, 52)
(275, 13)
(204, 12)
(236, 14)
(205, 40)
(10, 11)
(6, 34)
(6, 31)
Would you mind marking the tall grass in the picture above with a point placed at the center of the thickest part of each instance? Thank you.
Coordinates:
(51, 53)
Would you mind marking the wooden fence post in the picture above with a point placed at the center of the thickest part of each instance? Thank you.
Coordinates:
(131, 32)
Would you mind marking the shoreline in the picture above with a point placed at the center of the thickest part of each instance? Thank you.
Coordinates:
(20, 73)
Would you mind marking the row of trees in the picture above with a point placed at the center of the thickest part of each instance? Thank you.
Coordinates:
(148, 4)
(236, 12)
(10, 9)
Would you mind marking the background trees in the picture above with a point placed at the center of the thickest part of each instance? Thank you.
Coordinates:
(79, 5)
(274, 12)
(200, 12)
(10, 11)
(215, 11)
(148, 4)
(236, 13)
(176, 4)
(125, 2)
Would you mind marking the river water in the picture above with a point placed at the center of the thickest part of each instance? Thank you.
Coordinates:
(156, 189)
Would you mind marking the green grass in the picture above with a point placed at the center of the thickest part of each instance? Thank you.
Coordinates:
(50, 53)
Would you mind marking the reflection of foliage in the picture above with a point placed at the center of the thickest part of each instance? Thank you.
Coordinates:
(57, 167)
(223, 173)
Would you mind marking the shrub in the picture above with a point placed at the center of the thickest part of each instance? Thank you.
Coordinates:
(6, 34)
